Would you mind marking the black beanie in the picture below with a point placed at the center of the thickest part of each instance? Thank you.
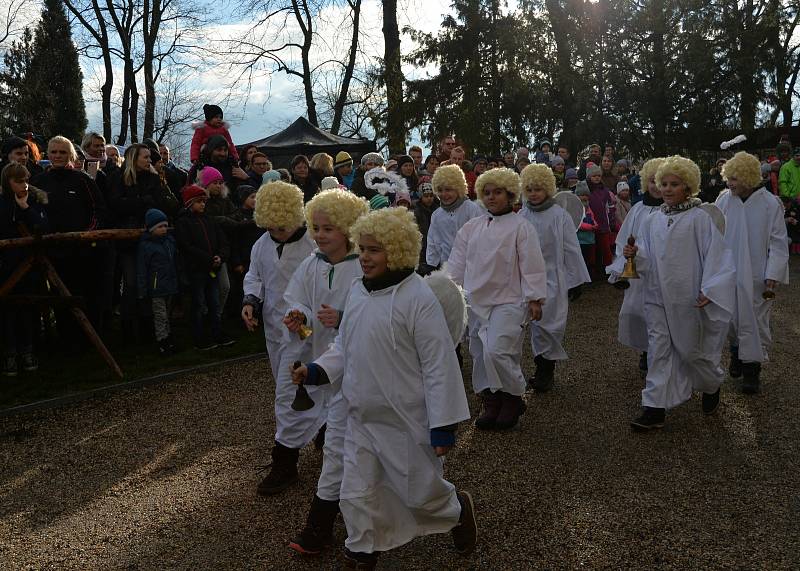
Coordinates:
(211, 111)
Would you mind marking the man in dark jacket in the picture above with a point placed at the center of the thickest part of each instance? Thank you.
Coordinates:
(215, 154)
(204, 248)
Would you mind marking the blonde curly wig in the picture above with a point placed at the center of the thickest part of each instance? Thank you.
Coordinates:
(538, 175)
(685, 169)
(279, 205)
(396, 230)
(649, 169)
(501, 178)
(745, 168)
(452, 176)
(342, 207)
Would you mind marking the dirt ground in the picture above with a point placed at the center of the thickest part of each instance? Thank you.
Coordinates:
(165, 476)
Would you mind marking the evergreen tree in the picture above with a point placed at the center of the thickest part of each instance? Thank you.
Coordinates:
(16, 62)
(52, 94)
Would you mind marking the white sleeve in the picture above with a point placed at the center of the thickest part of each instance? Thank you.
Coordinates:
(778, 255)
(531, 264)
(457, 262)
(253, 280)
(297, 295)
(574, 265)
(445, 397)
(433, 252)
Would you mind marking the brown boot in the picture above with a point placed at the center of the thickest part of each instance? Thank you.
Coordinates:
(492, 402)
(512, 408)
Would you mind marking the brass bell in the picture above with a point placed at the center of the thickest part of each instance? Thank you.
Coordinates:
(629, 271)
(301, 400)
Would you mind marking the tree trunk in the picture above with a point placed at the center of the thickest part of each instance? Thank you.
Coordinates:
(563, 72)
(122, 137)
(659, 105)
(393, 78)
(303, 15)
(151, 22)
(341, 101)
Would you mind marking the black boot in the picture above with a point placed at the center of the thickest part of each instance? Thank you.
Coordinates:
(710, 402)
(318, 533)
(492, 402)
(359, 561)
(283, 472)
(650, 419)
(545, 375)
(751, 383)
(735, 368)
(512, 408)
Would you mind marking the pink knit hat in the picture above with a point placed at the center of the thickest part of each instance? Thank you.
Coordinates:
(210, 175)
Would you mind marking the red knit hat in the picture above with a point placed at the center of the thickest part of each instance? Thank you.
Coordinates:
(192, 193)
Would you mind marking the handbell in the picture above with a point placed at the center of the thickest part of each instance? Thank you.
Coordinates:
(301, 400)
(769, 294)
(304, 332)
(629, 271)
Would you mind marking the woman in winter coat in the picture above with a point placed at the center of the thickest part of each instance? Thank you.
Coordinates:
(304, 177)
(134, 189)
(75, 205)
(21, 212)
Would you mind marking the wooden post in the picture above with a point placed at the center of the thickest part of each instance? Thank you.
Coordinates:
(18, 274)
(80, 316)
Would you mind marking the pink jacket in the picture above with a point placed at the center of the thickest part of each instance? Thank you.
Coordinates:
(203, 132)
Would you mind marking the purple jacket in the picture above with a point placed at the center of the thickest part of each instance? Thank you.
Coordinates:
(601, 201)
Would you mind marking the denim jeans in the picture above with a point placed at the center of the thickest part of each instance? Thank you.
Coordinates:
(205, 294)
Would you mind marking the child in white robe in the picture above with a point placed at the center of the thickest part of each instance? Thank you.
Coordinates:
(632, 329)
(756, 234)
(274, 258)
(455, 209)
(398, 373)
(318, 290)
(497, 259)
(689, 297)
(566, 269)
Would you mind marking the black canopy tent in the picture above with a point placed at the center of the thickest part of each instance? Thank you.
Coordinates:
(303, 138)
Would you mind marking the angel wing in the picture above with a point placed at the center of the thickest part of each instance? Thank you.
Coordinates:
(716, 215)
(572, 204)
(451, 298)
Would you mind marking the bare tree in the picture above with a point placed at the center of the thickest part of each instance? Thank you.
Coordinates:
(13, 18)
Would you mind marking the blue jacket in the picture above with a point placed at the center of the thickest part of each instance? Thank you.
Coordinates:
(156, 270)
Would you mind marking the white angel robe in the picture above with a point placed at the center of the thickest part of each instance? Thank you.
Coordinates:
(755, 232)
(314, 283)
(632, 330)
(267, 280)
(498, 262)
(566, 269)
(680, 256)
(400, 378)
(443, 229)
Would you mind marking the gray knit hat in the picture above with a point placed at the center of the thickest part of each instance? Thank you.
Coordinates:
(582, 189)
(592, 171)
(372, 157)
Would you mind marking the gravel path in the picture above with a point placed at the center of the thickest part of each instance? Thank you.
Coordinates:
(164, 477)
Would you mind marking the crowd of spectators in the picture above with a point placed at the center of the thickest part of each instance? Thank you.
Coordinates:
(199, 223)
